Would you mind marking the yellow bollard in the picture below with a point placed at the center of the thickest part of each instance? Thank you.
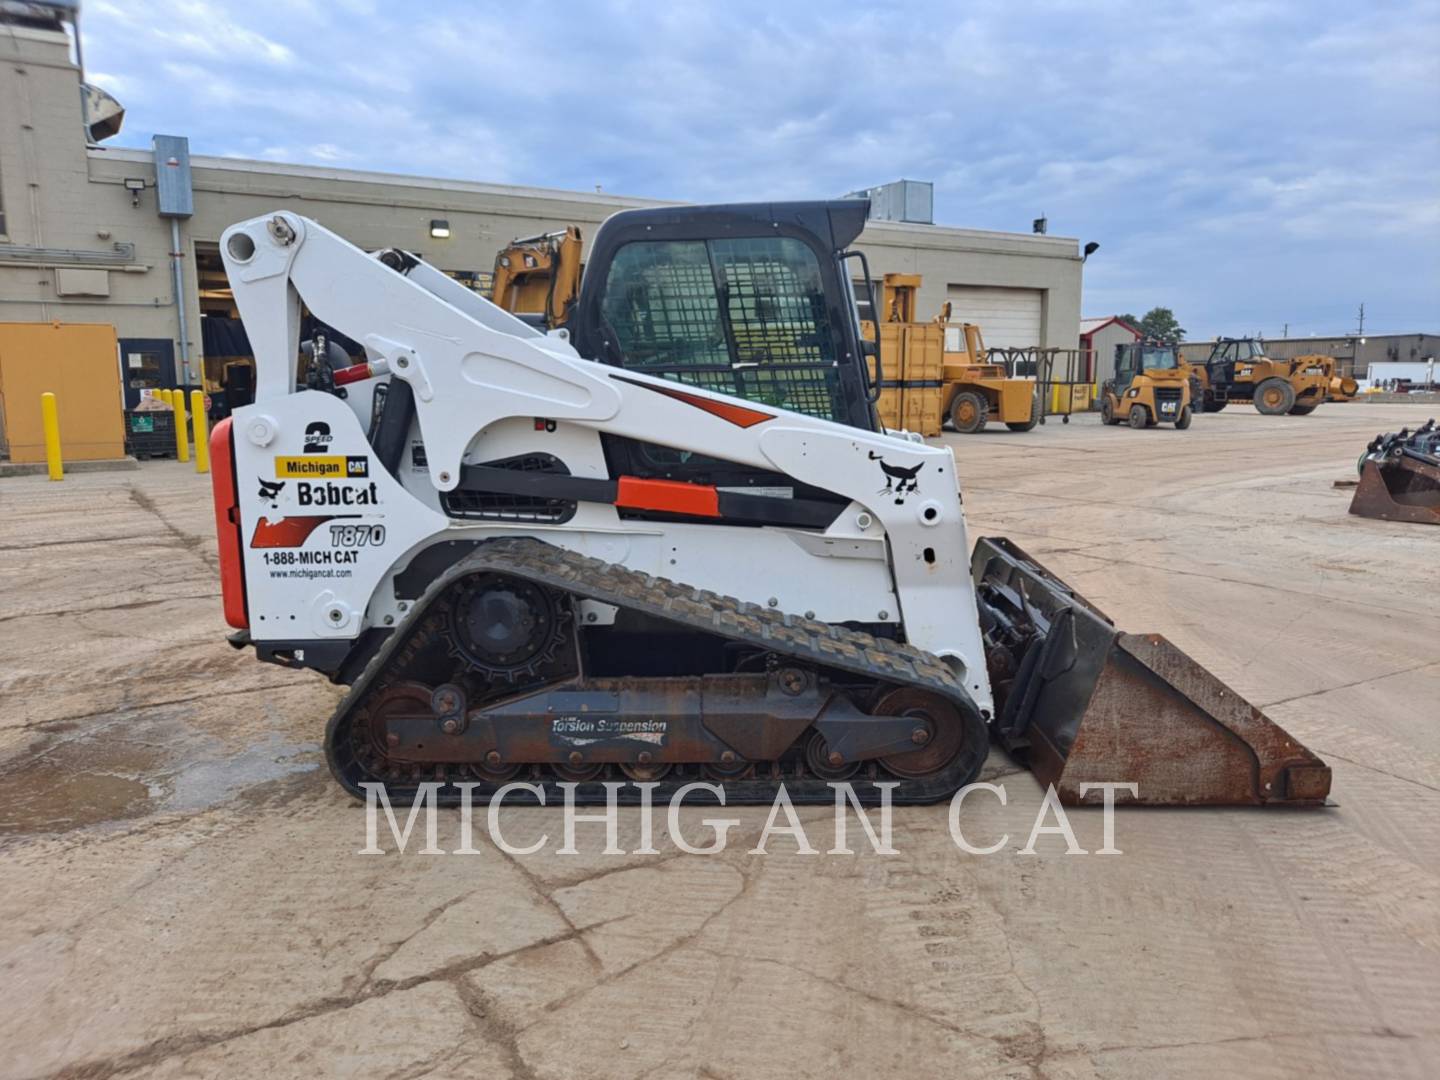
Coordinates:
(164, 395)
(50, 420)
(201, 428)
(182, 437)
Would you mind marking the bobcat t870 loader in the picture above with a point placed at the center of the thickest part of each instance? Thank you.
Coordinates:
(667, 543)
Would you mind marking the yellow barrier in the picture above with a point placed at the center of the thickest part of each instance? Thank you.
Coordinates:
(182, 437)
(164, 395)
(50, 419)
(202, 434)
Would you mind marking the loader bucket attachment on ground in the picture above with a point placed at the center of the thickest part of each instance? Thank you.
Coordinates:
(1400, 477)
(1084, 703)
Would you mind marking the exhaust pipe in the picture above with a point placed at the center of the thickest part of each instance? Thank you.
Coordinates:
(1084, 703)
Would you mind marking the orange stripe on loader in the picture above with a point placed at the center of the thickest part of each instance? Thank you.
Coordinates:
(671, 496)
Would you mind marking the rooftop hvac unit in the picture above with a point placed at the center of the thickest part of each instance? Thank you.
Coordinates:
(901, 200)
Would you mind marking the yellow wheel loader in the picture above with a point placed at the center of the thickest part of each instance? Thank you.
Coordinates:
(1237, 370)
(1149, 387)
(669, 550)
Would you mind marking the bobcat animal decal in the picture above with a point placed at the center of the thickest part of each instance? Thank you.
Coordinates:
(898, 482)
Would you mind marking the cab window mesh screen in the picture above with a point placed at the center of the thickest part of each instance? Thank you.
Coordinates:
(743, 317)
(660, 300)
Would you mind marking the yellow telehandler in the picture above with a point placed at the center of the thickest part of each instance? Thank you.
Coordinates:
(1237, 370)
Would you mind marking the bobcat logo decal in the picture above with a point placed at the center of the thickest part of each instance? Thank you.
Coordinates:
(270, 490)
(898, 482)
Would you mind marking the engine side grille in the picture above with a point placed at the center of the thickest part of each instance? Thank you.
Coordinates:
(497, 506)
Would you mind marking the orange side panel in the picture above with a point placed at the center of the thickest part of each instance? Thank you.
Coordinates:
(670, 496)
(227, 526)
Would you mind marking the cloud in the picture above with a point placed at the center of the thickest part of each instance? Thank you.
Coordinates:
(1248, 164)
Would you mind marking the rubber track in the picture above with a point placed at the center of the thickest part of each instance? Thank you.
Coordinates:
(807, 641)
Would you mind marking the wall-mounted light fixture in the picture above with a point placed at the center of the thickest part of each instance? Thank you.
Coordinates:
(135, 185)
(1090, 249)
(440, 228)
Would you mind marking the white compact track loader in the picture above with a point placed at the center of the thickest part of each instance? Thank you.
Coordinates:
(668, 543)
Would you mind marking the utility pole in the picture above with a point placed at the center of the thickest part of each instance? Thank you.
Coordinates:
(1358, 341)
(1286, 332)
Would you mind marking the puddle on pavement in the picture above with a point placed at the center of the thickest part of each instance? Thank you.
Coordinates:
(52, 799)
(132, 767)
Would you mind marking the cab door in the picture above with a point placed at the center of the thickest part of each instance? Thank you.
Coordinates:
(1127, 360)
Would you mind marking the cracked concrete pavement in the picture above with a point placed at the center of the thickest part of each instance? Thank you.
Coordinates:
(183, 894)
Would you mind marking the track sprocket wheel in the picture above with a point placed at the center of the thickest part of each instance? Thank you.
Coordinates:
(505, 628)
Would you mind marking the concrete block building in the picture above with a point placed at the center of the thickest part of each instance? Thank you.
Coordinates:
(85, 238)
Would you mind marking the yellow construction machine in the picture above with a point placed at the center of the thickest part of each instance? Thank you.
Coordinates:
(1237, 370)
(923, 383)
(1150, 386)
(1341, 387)
(974, 390)
(538, 277)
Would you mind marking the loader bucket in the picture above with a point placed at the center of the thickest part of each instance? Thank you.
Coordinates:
(1084, 703)
(1398, 488)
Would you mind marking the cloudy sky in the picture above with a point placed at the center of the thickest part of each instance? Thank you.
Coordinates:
(1248, 164)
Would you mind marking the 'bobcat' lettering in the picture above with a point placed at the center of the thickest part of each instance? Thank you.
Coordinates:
(324, 494)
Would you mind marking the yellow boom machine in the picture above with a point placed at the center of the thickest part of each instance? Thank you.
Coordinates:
(538, 277)
(1237, 370)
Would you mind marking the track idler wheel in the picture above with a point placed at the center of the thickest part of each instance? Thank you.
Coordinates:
(939, 736)
(402, 699)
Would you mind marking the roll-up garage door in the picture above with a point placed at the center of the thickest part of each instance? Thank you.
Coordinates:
(1008, 318)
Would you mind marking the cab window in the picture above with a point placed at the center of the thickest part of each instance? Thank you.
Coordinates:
(745, 317)
(1159, 358)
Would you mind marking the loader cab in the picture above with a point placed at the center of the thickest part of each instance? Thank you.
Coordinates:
(1132, 360)
(1233, 359)
(748, 300)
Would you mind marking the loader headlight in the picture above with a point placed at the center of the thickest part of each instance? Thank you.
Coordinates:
(1132, 392)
